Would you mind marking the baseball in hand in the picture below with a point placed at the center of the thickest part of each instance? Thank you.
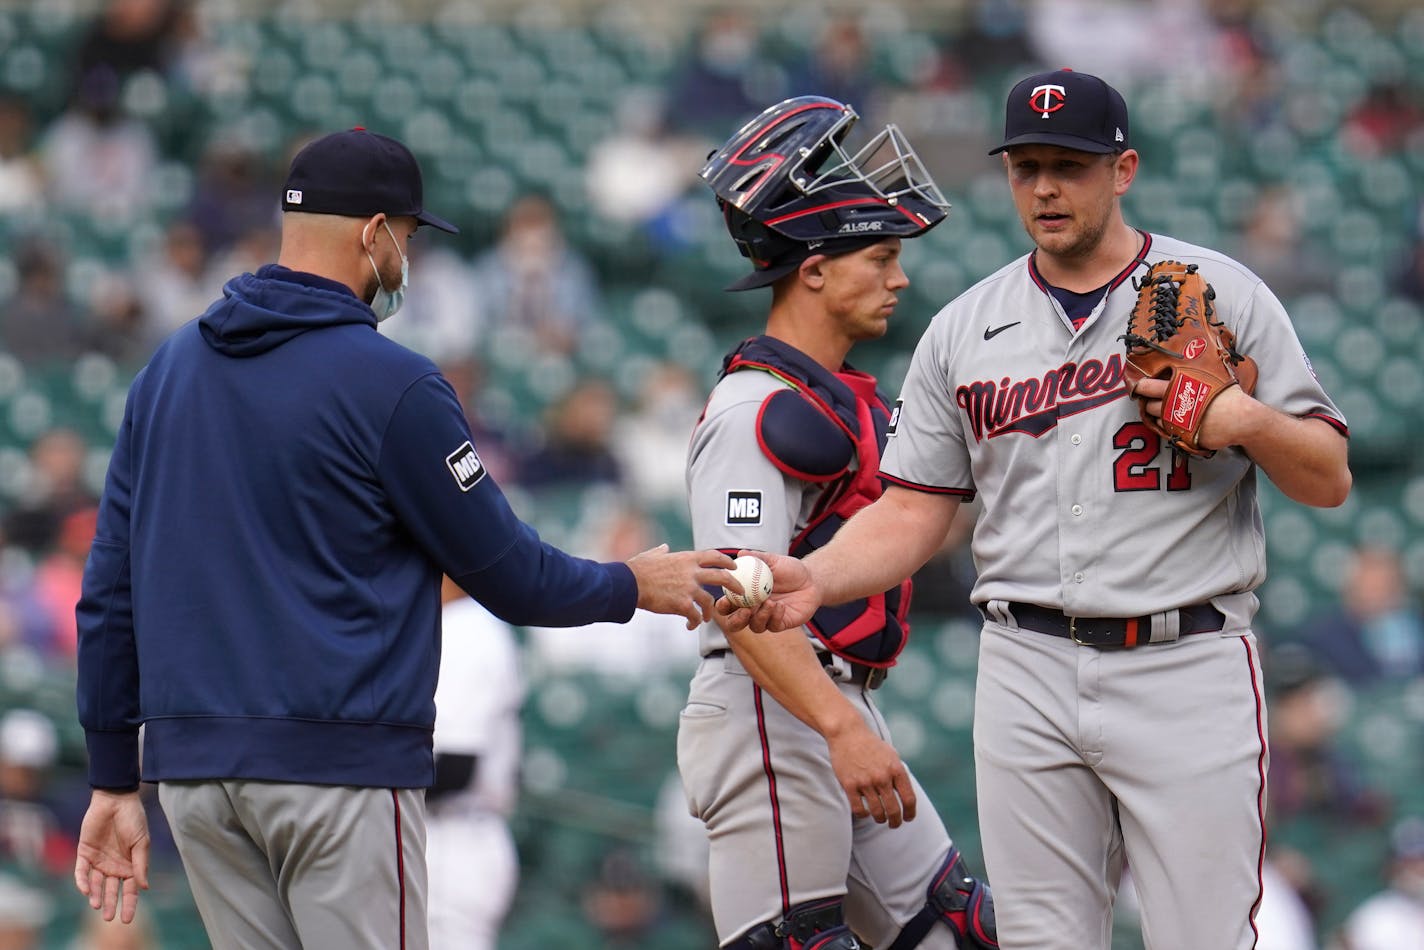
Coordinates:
(755, 577)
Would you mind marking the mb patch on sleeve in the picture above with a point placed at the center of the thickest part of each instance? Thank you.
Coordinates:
(743, 507)
(466, 466)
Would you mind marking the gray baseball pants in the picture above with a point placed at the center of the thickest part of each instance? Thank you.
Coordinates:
(289, 866)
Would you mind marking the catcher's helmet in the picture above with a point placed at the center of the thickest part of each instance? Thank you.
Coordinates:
(788, 188)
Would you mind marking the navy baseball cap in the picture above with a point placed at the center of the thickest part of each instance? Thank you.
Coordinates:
(1072, 110)
(357, 174)
(785, 263)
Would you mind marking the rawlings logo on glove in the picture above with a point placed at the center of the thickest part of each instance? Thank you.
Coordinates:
(1172, 335)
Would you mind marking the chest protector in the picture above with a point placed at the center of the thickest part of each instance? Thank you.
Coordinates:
(829, 429)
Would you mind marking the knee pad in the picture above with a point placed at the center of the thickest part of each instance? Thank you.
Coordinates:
(817, 925)
(965, 904)
(960, 902)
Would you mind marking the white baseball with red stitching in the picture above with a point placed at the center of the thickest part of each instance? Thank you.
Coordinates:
(755, 577)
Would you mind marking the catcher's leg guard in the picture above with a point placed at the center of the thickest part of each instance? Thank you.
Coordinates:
(819, 925)
(961, 902)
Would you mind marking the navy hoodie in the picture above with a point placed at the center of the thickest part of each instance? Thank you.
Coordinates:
(263, 591)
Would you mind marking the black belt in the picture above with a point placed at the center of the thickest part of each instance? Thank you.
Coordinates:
(1113, 632)
(840, 669)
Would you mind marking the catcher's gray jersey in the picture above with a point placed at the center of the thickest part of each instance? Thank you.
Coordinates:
(738, 498)
(1083, 508)
(779, 826)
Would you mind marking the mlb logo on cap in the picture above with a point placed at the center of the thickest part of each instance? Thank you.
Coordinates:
(1072, 110)
(294, 196)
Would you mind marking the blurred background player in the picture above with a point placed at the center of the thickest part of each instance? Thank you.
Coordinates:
(477, 746)
(783, 753)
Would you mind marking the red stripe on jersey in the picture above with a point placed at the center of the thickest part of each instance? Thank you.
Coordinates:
(966, 493)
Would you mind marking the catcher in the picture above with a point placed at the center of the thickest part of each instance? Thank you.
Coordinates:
(1118, 715)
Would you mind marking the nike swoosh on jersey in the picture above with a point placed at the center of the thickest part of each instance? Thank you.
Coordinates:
(990, 334)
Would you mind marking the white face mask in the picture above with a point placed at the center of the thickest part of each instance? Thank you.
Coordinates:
(387, 302)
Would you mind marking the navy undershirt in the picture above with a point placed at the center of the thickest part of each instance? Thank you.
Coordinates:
(1077, 306)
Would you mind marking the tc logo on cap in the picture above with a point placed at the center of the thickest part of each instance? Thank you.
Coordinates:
(1047, 99)
(294, 196)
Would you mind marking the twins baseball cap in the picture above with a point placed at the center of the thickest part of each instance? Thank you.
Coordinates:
(1073, 110)
(358, 173)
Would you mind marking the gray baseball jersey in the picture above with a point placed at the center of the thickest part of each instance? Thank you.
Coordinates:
(779, 826)
(1082, 754)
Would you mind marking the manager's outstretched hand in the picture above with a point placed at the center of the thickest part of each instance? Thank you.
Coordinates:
(111, 865)
(677, 582)
(794, 598)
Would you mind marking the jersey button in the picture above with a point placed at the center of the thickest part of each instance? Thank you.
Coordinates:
(1077, 510)
(1076, 439)
(1078, 577)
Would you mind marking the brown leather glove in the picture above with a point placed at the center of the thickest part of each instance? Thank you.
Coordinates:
(1173, 334)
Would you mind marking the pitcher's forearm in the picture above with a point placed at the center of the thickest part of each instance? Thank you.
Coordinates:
(882, 544)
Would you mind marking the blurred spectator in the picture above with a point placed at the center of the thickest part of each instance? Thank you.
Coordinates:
(651, 440)
(98, 161)
(40, 324)
(117, 326)
(59, 577)
(577, 448)
(1292, 896)
(1272, 243)
(1117, 38)
(838, 66)
(232, 195)
(477, 754)
(1285, 919)
(725, 79)
(625, 905)
(1376, 633)
(178, 285)
(24, 913)
(1309, 774)
(443, 315)
(21, 183)
(1383, 119)
(681, 848)
(532, 281)
(1410, 280)
(1394, 918)
(250, 250)
(31, 835)
(129, 36)
(96, 933)
(648, 644)
(1248, 80)
(54, 490)
(637, 174)
(994, 38)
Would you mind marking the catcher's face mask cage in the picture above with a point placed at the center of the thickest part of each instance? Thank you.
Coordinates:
(788, 169)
